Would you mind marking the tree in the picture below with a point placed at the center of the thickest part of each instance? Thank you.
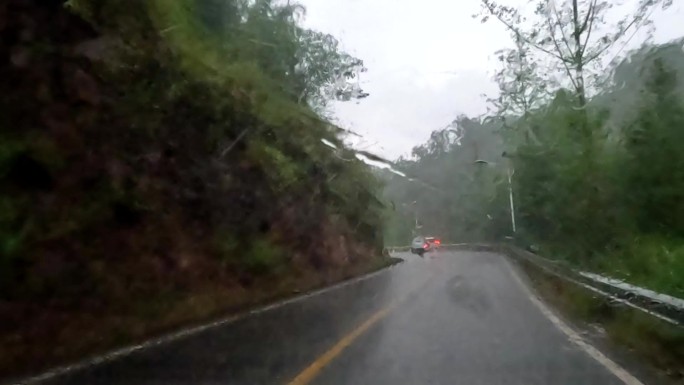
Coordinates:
(521, 89)
(309, 65)
(654, 161)
(325, 72)
(569, 32)
(218, 15)
(463, 204)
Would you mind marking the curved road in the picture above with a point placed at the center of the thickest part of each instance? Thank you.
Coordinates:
(453, 318)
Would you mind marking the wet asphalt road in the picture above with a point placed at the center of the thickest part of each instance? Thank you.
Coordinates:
(453, 318)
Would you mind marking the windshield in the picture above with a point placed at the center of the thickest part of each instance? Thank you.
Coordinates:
(235, 191)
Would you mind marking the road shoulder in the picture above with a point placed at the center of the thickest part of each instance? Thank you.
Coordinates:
(644, 345)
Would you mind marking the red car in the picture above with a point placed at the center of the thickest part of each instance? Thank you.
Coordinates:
(434, 242)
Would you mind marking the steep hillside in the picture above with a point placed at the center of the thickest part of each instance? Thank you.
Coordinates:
(160, 164)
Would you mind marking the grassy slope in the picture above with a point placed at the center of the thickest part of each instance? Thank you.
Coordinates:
(117, 220)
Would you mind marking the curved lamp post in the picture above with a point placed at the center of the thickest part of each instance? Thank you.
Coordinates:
(510, 171)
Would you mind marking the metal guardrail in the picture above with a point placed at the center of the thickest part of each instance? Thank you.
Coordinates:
(664, 307)
(655, 296)
(641, 299)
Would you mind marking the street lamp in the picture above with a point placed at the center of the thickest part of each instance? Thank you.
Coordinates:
(510, 171)
(415, 213)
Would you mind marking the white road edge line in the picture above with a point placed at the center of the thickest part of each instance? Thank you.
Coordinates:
(575, 338)
(119, 353)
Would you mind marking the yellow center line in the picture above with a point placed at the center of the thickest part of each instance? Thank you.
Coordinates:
(312, 371)
(308, 374)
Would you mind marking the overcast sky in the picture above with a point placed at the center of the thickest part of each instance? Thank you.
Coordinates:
(427, 61)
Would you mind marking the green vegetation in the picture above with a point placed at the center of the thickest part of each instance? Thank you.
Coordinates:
(597, 168)
(161, 162)
(655, 262)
